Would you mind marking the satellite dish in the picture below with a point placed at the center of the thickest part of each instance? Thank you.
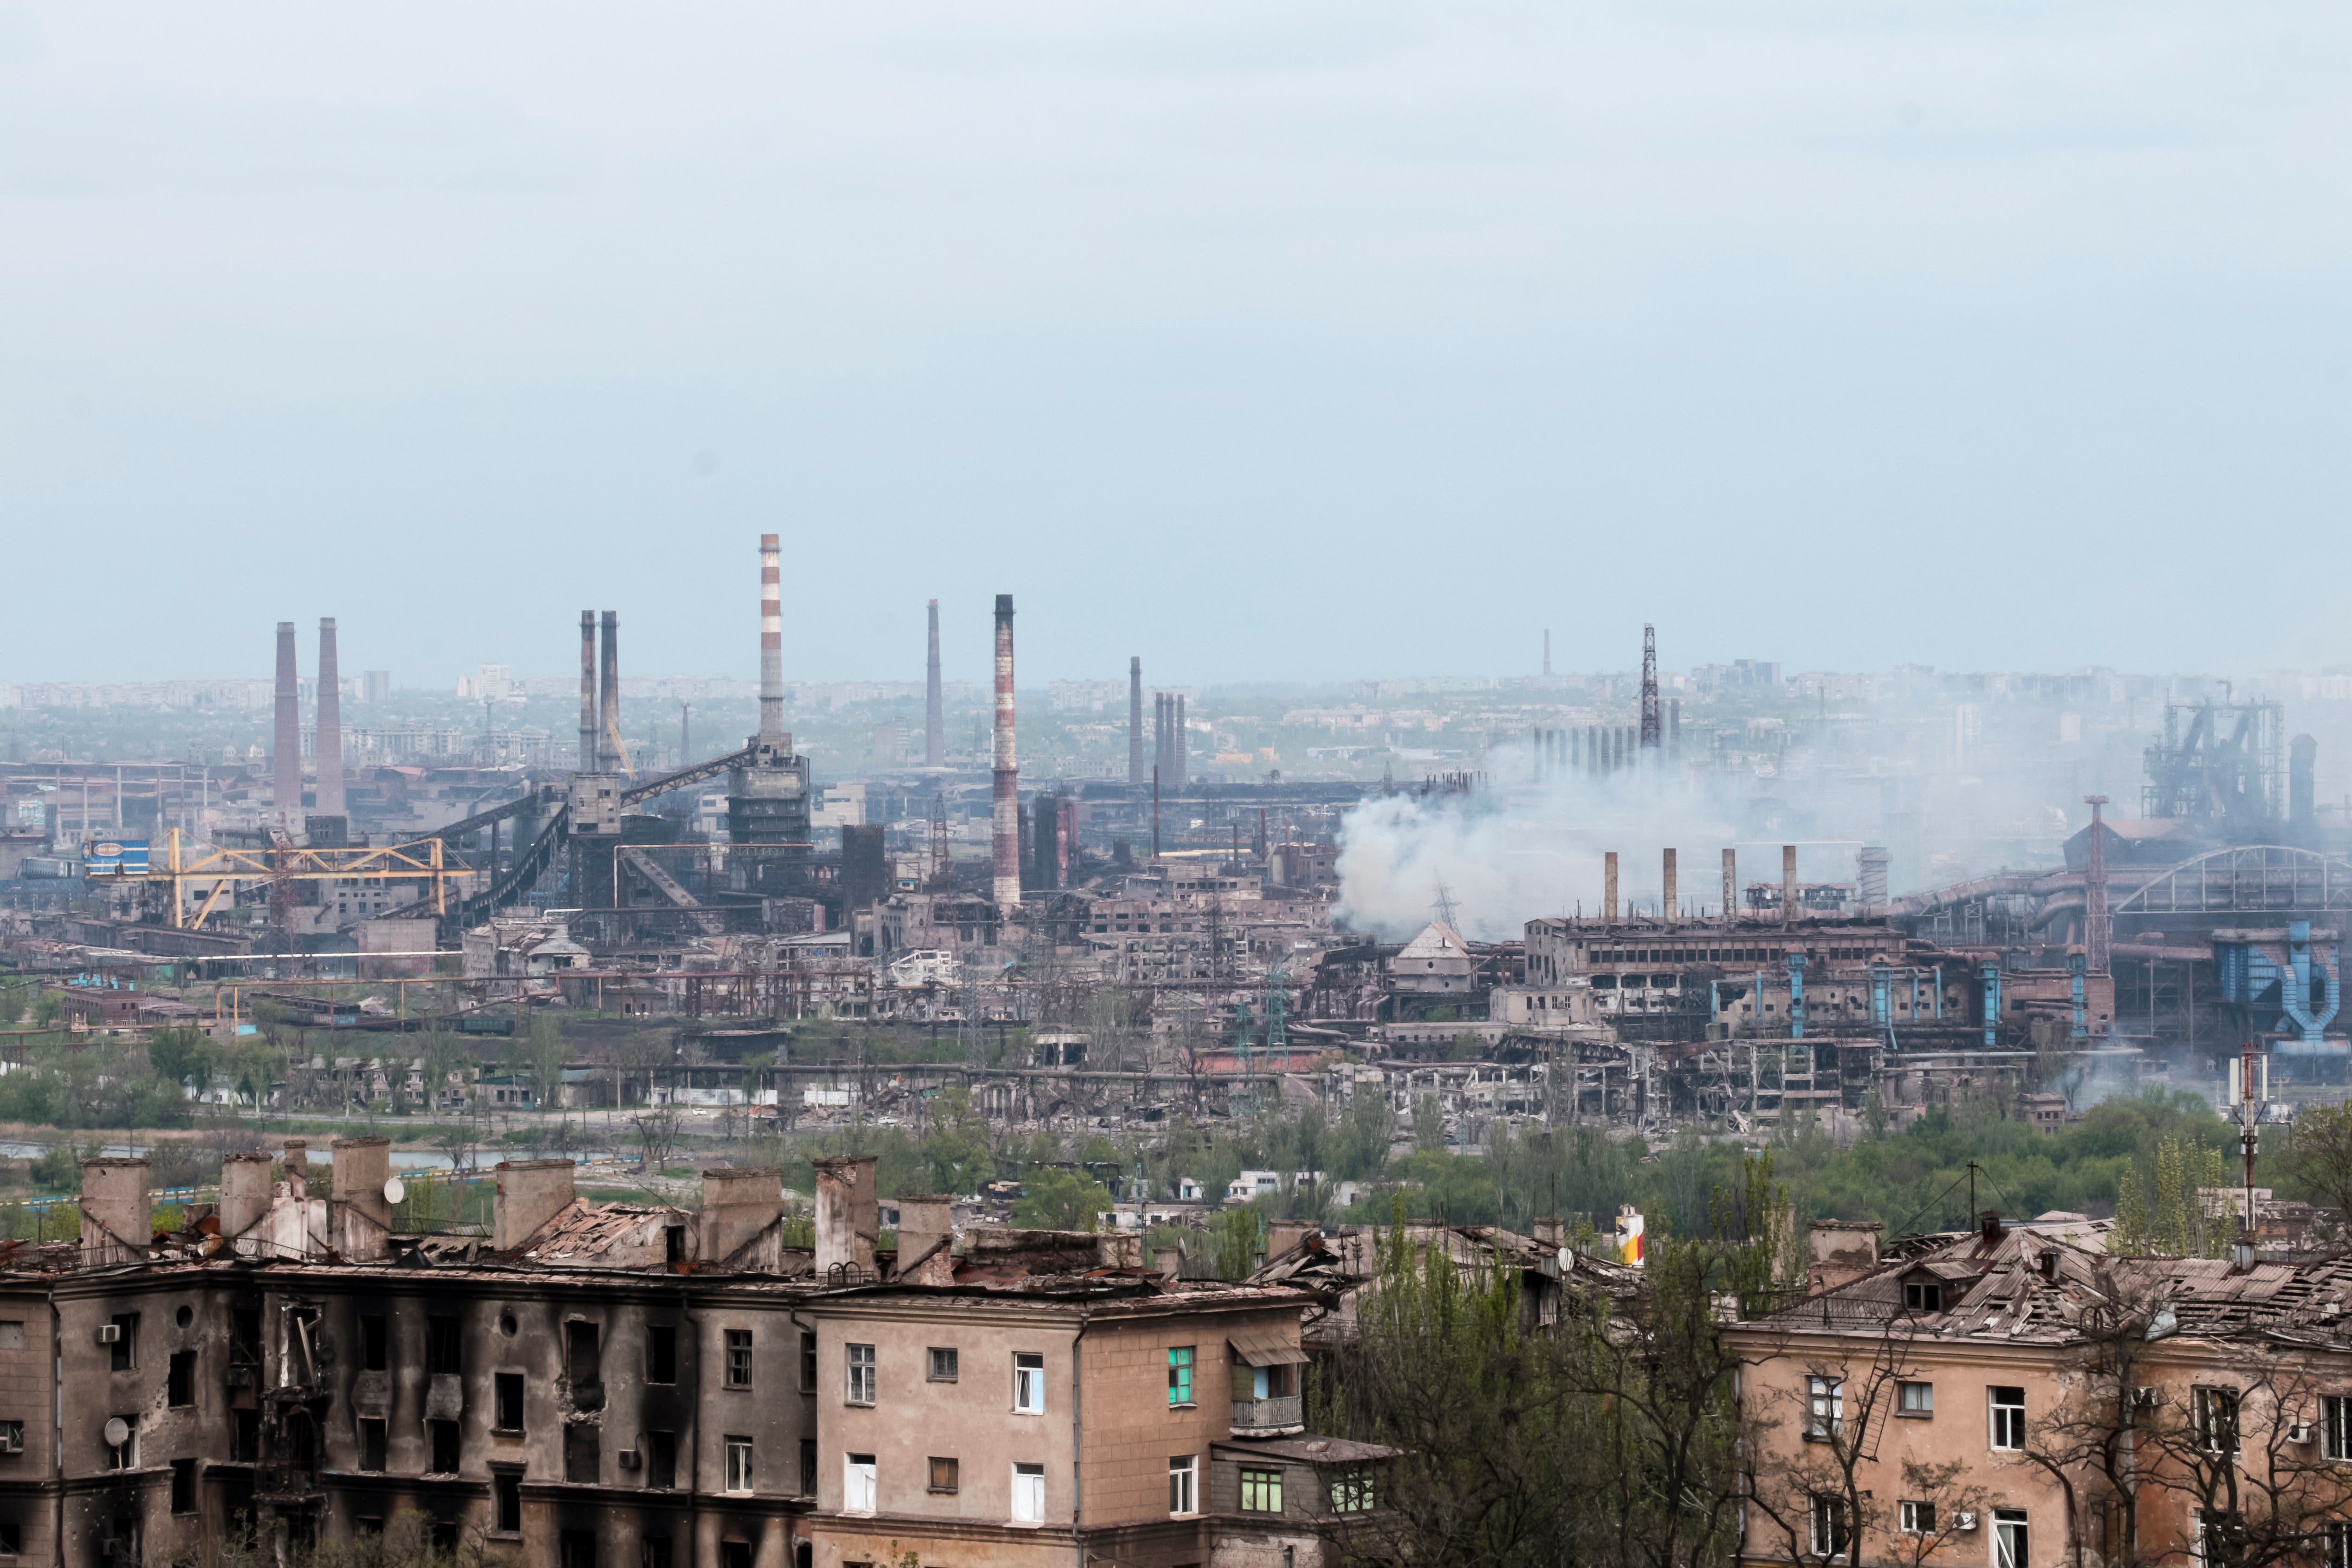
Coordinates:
(394, 1189)
(118, 1432)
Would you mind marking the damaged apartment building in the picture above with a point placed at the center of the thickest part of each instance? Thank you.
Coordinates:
(641, 1386)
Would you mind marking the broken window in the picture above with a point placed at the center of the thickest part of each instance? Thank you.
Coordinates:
(444, 1347)
(180, 1381)
(661, 1353)
(374, 1342)
(506, 1502)
(661, 1460)
(371, 1442)
(506, 1391)
(738, 1358)
(582, 1454)
(2008, 1418)
(444, 1447)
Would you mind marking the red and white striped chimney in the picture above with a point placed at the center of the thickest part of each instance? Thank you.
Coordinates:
(286, 769)
(771, 636)
(1004, 841)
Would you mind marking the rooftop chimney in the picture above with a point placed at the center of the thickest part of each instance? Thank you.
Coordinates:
(530, 1193)
(363, 1214)
(1991, 1218)
(286, 766)
(935, 723)
(114, 1218)
(737, 1204)
(297, 1160)
(848, 1219)
(1004, 842)
(331, 723)
(1135, 769)
(926, 1232)
(588, 747)
(771, 637)
(615, 758)
(244, 1202)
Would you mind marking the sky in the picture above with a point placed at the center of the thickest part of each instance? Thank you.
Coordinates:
(1268, 341)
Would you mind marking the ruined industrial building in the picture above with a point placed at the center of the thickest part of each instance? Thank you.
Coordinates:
(1166, 925)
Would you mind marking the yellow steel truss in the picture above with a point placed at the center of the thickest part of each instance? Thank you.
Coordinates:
(423, 861)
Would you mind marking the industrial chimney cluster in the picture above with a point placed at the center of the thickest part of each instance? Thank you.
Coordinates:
(286, 805)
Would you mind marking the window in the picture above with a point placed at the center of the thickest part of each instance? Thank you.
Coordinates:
(582, 1454)
(1029, 1494)
(2008, 1537)
(576, 1549)
(1918, 1518)
(943, 1363)
(1261, 1491)
(1180, 1375)
(661, 1353)
(740, 1474)
(2008, 1418)
(738, 1358)
(1352, 1489)
(1273, 1381)
(661, 1460)
(2336, 1427)
(506, 1499)
(12, 1538)
(245, 1435)
(368, 1524)
(861, 1374)
(1028, 1384)
(654, 1551)
(2217, 1420)
(857, 1483)
(371, 1442)
(1825, 1410)
(674, 1244)
(1923, 1295)
(373, 1341)
(11, 1437)
(184, 1486)
(583, 1355)
(443, 1351)
(444, 1447)
(944, 1474)
(125, 1455)
(808, 1466)
(506, 1391)
(1916, 1399)
(124, 1352)
(1183, 1492)
(2336, 1546)
(180, 1381)
(445, 1536)
(1827, 1526)
(808, 1363)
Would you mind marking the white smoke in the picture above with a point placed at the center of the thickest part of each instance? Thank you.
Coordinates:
(1520, 850)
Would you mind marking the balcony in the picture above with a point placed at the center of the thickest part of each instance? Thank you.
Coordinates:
(1269, 1417)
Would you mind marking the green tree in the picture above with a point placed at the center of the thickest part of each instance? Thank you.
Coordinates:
(546, 1062)
(1056, 1199)
(2161, 1211)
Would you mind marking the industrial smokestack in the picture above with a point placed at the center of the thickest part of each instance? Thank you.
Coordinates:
(587, 692)
(1668, 903)
(1787, 884)
(1177, 744)
(1609, 886)
(615, 754)
(331, 723)
(935, 723)
(1135, 775)
(1004, 842)
(286, 767)
(771, 644)
(1730, 887)
(2096, 922)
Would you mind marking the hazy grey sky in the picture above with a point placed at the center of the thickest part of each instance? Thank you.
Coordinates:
(1264, 339)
